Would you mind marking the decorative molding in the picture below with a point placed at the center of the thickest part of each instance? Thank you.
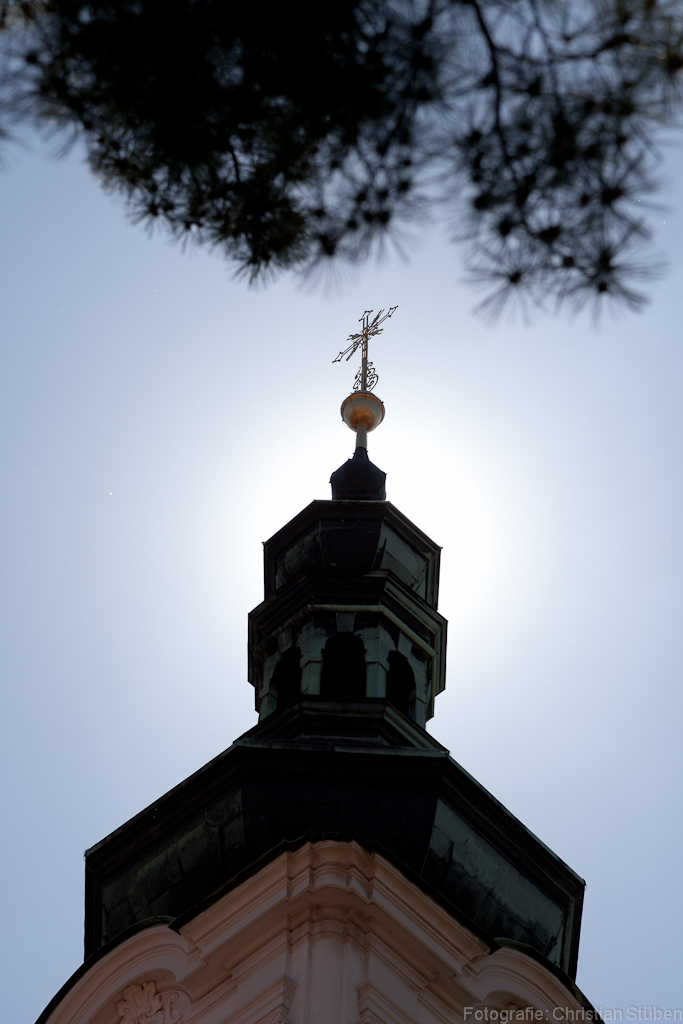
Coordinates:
(377, 1007)
(325, 926)
(142, 1004)
(288, 987)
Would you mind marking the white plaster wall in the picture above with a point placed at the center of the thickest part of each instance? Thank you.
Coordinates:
(326, 934)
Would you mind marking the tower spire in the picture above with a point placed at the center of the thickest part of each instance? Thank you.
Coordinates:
(338, 782)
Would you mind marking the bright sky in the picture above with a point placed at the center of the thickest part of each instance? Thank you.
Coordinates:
(160, 420)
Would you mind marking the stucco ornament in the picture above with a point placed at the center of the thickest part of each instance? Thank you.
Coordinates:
(142, 1004)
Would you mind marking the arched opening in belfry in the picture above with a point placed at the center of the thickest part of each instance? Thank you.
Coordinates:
(343, 668)
(286, 679)
(400, 682)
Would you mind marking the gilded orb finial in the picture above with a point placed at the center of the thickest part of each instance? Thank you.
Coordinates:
(361, 410)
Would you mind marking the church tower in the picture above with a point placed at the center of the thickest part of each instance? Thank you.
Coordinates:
(334, 865)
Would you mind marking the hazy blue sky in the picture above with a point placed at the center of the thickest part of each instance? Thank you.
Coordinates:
(159, 421)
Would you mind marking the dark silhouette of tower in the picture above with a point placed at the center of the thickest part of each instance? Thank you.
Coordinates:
(334, 864)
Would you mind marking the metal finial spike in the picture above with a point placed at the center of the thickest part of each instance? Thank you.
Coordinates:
(363, 411)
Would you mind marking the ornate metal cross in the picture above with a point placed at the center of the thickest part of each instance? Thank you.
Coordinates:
(366, 378)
